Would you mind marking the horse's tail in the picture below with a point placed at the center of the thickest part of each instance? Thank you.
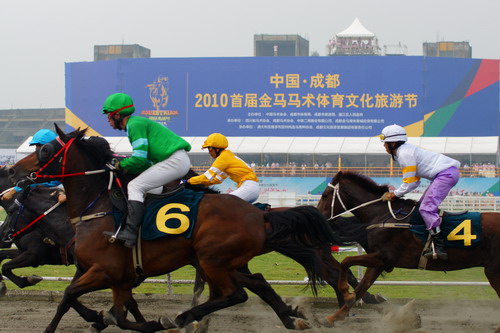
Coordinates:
(298, 233)
(350, 230)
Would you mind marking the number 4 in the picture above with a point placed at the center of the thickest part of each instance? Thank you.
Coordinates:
(467, 235)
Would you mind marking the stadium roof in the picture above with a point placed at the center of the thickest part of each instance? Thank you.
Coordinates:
(321, 145)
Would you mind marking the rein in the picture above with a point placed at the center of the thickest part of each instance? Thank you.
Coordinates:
(11, 237)
(64, 149)
(336, 194)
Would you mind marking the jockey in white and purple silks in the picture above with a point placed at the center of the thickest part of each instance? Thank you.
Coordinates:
(418, 163)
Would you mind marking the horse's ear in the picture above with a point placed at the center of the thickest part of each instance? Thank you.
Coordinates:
(337, 177)
(60, 133)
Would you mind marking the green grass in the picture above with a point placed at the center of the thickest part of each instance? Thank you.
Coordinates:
(277, 267)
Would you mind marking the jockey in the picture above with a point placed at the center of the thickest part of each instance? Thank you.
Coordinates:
(40, 138)
(227, 164)
(418, 163)
(159, 157)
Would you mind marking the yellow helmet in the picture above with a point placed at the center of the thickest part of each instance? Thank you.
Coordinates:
(215, 140)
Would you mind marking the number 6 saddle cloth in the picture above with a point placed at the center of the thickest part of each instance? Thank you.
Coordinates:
(459, 230)
(171, 214)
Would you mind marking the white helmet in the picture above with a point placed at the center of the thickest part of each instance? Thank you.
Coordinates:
(393, 133)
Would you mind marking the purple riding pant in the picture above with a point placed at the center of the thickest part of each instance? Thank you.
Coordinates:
(435, 194)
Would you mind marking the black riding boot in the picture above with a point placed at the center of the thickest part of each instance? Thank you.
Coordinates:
(438, 241)
(134, 220)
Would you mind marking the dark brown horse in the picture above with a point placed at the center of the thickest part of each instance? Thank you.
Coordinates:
(390, 246)
(228, 233)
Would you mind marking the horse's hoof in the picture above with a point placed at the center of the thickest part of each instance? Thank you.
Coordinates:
(335, 317)
(34, 279)
(380, 298)
(166, 323)
(108, 318)
(3, 289)
(301, 324)
(92, 329)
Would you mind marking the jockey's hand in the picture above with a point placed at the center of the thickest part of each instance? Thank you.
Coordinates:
(61, 195)
(61, 198)
(388, 196)
(112, 165)
(9, 195)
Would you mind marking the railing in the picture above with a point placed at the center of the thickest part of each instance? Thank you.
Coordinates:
(451, 203)
(261, 171)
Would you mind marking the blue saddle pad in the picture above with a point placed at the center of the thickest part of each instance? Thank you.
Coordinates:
(461, 230)
(172, 215)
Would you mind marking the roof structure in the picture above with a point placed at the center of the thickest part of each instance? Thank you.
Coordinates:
(356, 29)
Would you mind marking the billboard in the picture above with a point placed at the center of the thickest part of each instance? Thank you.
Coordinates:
(293, 96)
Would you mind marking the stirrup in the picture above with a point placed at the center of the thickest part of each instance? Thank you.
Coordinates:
(111, 236)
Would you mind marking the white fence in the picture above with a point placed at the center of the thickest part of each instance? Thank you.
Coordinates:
(451, 203)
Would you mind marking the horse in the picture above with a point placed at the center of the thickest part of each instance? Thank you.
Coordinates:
(347, 231)
(391, 242)
(35, 250)
(31, 250)
(228, 233)
(50, 241)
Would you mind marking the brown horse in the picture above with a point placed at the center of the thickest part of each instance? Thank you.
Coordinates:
(391, 246)
(228, 233)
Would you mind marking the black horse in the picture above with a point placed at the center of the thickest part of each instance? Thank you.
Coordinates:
(40, 244)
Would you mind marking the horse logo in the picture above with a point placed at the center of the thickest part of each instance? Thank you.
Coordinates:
(158, 92)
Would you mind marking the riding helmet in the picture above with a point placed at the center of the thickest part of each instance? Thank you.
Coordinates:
(215, 140)
(42, 137)
(393, 133)
(118, 103)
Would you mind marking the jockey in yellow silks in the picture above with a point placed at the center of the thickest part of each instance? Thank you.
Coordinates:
(227, 164)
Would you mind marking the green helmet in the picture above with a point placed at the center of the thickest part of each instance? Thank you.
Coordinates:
(118, 103)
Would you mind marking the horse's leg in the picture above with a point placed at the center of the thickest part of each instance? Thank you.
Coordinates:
(6, 254)
(224, 292)
(375, 268)
(330, 273)
(492, 272)
(123, 296)
(258, 285)
(199, 286)
(24, 259)
(80, 285)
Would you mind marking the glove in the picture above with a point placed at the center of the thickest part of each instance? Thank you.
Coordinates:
(9, 195)
(112, 165)
(183, 182)
(388, 196)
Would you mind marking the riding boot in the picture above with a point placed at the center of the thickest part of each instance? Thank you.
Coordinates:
(438, 241)
(128, 235)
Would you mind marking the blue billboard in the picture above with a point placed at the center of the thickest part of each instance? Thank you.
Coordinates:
(292, 96)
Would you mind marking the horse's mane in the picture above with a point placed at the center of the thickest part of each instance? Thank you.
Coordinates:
(361, 180)
(96, 146)
(368, 184)
(198, 188)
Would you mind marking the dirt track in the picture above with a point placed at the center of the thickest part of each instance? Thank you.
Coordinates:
(29, 311)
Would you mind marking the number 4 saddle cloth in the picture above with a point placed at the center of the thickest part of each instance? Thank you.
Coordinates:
(461, 230)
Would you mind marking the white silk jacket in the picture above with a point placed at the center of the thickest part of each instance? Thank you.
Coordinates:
(419, 163)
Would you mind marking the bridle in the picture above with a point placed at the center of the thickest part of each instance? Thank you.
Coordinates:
(336, 195)
(62, 151)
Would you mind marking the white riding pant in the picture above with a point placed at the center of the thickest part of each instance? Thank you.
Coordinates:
(152, 179)
(248, 191)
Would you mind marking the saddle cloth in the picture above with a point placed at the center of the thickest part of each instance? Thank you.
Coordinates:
(169, 215)
(461, 231)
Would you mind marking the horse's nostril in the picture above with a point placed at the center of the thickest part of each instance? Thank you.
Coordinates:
(12, 172)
